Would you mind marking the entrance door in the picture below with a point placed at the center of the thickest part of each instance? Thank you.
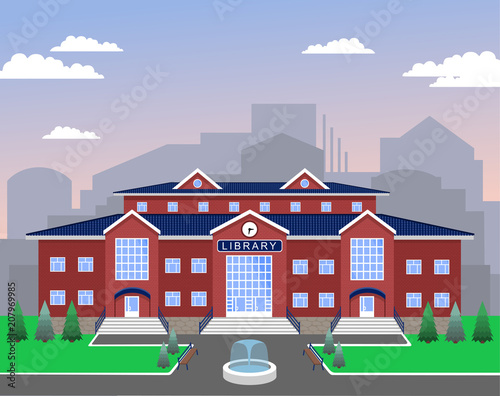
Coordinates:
(366, 307)
(132, 306)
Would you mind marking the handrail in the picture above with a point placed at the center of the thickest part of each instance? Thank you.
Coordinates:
(179, 359)
(100, 320)
(295, 323)
(336, 320)
(206, 320)
(163, 321)
(399, 321)
(310, 346)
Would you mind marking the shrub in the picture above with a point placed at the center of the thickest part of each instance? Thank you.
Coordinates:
(173, 347)
(455, 330)
(338, 360)
(19, 325)
(71, 330)
(329, 346)
(44, 330)
(482, 330)
(163, 358)
(428, 330)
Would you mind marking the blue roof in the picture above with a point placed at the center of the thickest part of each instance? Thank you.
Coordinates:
(297, 224)
(251, 188)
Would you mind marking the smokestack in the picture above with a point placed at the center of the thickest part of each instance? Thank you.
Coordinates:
(339, 154)
(345, 165)
(331, 150)
(324, 141)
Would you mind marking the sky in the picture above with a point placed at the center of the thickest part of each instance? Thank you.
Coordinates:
(214, 58)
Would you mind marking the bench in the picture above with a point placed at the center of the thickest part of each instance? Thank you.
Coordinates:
(186, 358)
(314, 359)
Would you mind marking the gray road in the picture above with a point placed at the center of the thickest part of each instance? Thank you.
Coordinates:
(295, 377)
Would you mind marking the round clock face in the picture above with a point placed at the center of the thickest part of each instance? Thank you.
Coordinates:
(249, 229)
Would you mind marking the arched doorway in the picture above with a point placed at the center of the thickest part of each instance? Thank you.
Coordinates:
(132, 302)
(367, 302)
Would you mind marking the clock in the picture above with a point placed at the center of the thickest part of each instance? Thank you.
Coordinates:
(249, 229)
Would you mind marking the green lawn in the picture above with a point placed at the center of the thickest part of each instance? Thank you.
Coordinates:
(64, 357)
(436, 357)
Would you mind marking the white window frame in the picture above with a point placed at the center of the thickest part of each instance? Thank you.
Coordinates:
(414, 262)
(300, 264)
(326, 296)
(326, 263)
(442, 262)
(203, 297)
(326, 206)
(85, 294)
(300, 296)
(413, 296)
(172, 263)
(172, 205)
(363, 254)
(265, 206)
(60, 261)
(143, 206)
(234, 206)
(198, 263)
(172, 296)
(128, 254)
(201, 207)
(82, 261)
(63, 295)
(437, 296)
(355, 207)
(294, 206)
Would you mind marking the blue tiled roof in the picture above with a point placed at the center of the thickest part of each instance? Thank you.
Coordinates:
(252, 188)
(297, 224)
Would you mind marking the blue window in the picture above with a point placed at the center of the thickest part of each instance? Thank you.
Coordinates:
(265, 206)
(173, 207)
(304, 183)
(198, 265)
(441, 300)
(326, 300)
(85, 297)
(367, 258)
(57, 264)
(202, 206)
(85, 264)
(57, 297)
(234, 206)
(441, 267)
(198, 299)
(300, 267)
(326, 206)
(294, 206)
(172, 265)
(326, 267)
(413, 300)
(414, 267)
(132, 259)
(357, 206)
(172, 299)
(142, 206)
(197, 183)
(300, 300)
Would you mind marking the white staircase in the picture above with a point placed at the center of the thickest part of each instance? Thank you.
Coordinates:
(367, 326)
(247, 326)
(132, 326)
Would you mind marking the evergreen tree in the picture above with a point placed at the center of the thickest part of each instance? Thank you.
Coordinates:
(19, 326)
(71, 330)
(329, 346)
(173, 347)
(455, 330)
(428, 330)
(163, 359)
(44, 331)
(338, 360)
(482, 330)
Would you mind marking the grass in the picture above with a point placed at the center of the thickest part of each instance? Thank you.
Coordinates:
(437, 357)
(64, 357)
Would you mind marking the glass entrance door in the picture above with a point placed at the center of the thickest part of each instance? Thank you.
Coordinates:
(366, 307)
(131, 306)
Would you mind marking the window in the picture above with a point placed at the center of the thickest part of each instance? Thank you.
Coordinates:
(413, 300)
(198, 299)
(357, 206)
(234, 206)
(326, 300)
(142, 206)
(441, 300)
(85, 264)
(441, 267)
(85, 297)
(172, 265)
(367, 259)
(198, 265)
(173, 207)
(57, 297)
(300, 267)
(265, 206)
(57, 264)
(300, 300)
(197, 183)
(414, 267)
(326, 206)
(304, 183)
(172, 299)
(132, 259)
(326, 267)
(294, 206)
(202, 206)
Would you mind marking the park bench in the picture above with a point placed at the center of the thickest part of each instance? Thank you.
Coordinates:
(186, 357)
(314, 358)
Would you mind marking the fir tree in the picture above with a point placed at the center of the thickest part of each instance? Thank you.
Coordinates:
(428, 330)
(455, 330)
(482, 330)
(338, 360)
(44, 331)
(173, 347)
(163, 359)
(19, 326)
(71, 330)
(329, 346)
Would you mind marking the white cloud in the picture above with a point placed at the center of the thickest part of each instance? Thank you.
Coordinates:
(83, 44)
(469, 70)
(37, 67)
(70, 133)
(342, 46)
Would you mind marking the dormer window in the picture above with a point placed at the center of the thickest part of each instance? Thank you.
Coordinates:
(197, 183)
(304, 183)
